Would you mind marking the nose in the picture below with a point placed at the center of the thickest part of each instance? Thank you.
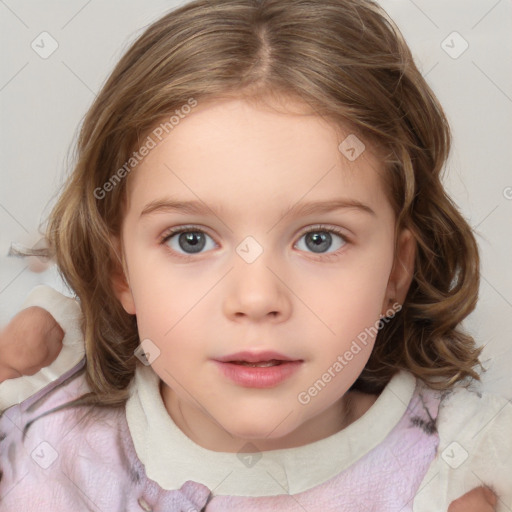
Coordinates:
(257, 292)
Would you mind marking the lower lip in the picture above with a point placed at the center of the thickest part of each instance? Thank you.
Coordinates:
(258, 377)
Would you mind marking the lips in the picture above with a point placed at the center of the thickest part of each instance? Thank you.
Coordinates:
(258, 369)
(255, 357)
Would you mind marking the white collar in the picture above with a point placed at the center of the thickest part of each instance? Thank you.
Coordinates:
(171, 458)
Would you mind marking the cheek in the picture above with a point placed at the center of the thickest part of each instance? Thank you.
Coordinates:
(173, 310)
(162, 292)
(349, 298)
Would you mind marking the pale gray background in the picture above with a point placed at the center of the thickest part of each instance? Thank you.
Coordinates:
(42, 101)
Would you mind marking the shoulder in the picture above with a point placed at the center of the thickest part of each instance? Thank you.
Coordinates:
(77, 458)
(472, 415)
(58, 450)
(475, 448)
(46, 416)
(53, 396)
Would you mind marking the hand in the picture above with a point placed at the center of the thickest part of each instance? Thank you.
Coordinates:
(480, 499)
(29, 342)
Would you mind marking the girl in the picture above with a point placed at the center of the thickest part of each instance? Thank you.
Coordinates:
(272, 280)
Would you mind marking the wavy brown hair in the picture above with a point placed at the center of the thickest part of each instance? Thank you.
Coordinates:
(348, 62)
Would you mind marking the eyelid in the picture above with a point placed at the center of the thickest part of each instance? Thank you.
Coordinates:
(324, 227)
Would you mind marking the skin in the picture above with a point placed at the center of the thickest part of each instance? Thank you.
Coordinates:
(256, 161)
(29, 342)
(481, 499)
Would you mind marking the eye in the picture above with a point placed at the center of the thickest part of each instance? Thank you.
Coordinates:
(190, 240)
(320, 239)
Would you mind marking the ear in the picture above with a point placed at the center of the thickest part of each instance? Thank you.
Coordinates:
(402, 272)
(120, 279)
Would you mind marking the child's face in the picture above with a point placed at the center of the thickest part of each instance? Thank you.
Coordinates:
(254, 282)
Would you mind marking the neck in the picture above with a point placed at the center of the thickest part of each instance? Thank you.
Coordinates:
(205, 431)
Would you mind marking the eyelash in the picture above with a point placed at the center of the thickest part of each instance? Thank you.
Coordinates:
(314, 229)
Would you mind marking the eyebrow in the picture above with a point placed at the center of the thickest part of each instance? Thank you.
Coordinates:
(167, 205)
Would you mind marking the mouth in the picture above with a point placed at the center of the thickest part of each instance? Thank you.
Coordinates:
(258, 370)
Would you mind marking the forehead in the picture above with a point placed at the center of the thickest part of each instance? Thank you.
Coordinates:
(239, 153)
